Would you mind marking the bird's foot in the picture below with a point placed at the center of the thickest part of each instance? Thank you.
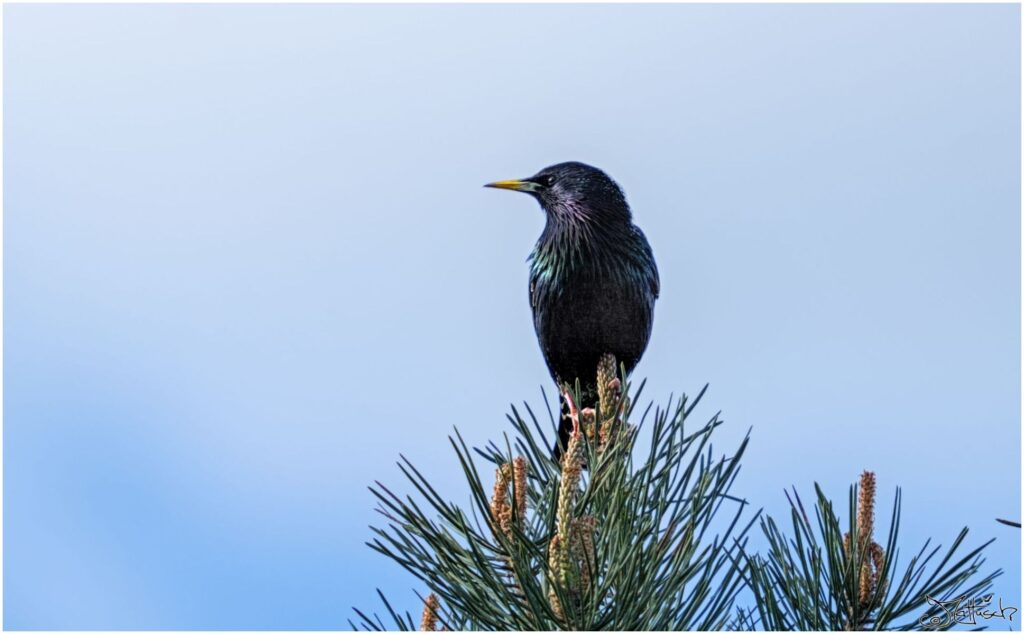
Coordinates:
(574, 413)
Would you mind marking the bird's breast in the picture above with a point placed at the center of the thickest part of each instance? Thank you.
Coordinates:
(580, 314)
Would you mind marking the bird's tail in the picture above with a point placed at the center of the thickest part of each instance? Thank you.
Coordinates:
(564, 430)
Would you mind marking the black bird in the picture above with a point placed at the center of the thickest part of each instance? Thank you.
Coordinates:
(593, 280)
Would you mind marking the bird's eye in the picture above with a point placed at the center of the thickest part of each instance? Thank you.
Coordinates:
(547, 180)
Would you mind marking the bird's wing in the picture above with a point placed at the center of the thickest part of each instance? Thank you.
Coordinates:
(652, 276)
(655, 280)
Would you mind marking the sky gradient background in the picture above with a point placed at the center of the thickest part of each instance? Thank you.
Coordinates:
(248, 260)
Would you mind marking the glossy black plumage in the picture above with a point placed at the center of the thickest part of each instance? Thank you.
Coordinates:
(593, 279)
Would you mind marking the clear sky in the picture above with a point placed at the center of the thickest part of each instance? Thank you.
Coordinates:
(248, 260)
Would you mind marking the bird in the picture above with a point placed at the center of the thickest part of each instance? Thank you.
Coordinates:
(593, 279)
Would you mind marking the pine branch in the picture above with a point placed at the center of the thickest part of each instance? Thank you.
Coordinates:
(821, 578)
(612, 538)
(627, 544)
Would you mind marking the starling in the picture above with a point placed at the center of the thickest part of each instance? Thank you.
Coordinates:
(593, 280)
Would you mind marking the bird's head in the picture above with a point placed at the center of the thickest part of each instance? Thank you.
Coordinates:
(573, 192)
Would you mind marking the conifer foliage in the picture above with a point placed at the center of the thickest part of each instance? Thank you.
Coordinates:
(822, 578)
(627, 535)
(601, 540)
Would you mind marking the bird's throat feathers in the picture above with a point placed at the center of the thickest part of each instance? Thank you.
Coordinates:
(577, 235)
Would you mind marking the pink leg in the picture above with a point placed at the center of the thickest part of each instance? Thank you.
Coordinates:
(574, 413)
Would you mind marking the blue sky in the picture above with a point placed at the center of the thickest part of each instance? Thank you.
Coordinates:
(248, 260)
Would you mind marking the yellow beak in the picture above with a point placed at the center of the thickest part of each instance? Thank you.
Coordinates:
(519, 186)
